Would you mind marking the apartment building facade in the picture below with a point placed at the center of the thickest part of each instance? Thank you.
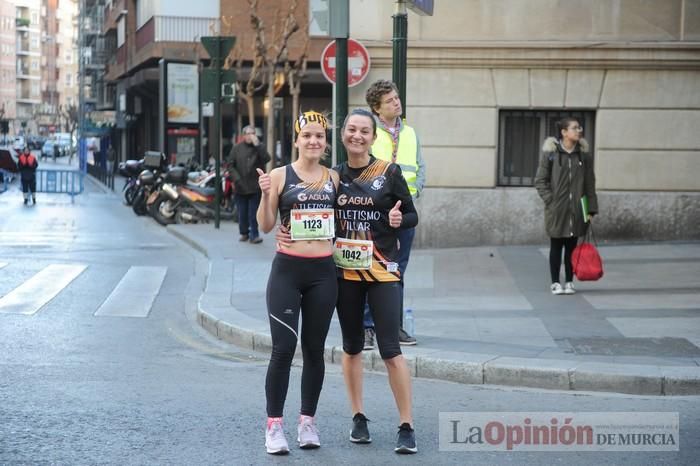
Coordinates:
(139, 34)
(8, 61)
(28, 61)
(38, 61)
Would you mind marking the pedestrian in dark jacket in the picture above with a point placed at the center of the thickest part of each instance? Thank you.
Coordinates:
(27, 165)
(246, 157)
(564, 176)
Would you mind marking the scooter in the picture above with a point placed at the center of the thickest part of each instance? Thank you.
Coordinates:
(192, 204)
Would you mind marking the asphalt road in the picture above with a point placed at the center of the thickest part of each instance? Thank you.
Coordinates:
(86, 381)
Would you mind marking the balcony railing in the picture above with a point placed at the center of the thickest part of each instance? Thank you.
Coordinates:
(176, 29)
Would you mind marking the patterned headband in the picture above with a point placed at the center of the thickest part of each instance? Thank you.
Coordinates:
(310, 117)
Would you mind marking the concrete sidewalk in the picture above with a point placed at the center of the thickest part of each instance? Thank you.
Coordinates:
(485, 315)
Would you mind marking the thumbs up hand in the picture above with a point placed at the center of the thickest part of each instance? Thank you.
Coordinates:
(395, 215)
(264, 181)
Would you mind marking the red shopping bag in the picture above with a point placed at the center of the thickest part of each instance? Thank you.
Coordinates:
(586, 262)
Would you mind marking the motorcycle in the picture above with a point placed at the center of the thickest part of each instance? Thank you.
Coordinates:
(144, 186)
(188, 203)
(130, 170)
(159, 204)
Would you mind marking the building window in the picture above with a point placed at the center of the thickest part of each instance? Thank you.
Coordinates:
(69, 80)
(520, 137)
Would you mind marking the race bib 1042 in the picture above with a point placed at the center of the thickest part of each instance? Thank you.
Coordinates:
(353, 254)
(311, 224)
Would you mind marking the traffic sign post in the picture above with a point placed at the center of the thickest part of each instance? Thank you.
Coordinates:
(218, 48)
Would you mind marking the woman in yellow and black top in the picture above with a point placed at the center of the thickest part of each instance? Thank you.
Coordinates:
(373, 203)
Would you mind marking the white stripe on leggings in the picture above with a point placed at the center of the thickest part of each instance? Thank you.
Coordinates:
(290, 328)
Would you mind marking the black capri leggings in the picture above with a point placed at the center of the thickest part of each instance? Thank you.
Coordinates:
(29, 186)
(309, 285)
(384, 300)
(555, 247)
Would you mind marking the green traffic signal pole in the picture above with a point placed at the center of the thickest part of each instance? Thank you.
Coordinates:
(341, 94)
(217, 135)
(399, 54)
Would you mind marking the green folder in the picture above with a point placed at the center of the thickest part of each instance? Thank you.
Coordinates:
(584, 208)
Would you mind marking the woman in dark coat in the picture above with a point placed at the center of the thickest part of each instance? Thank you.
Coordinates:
(564, 176)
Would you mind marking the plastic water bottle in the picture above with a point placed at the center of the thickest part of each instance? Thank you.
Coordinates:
(409, 324)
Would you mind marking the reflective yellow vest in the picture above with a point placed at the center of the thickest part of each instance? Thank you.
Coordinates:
(406, 156)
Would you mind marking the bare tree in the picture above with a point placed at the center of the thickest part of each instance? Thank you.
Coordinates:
(247, 88)
(70, 114)
(295, 73)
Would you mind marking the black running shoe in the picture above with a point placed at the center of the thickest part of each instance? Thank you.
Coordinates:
(360, 432)
(405, 339)
(406, 440)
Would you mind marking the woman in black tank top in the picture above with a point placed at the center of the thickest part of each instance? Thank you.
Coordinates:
(302, 278)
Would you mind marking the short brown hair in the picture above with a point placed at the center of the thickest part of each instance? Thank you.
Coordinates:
(377, 90)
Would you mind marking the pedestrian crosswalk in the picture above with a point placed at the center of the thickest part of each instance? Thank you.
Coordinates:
(133, 295)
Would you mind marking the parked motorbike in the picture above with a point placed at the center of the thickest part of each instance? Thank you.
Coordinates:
(159, 204)
(187, 203)
(130, 170)
(144, 186)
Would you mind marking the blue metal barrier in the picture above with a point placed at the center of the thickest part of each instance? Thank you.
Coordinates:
(60, 181)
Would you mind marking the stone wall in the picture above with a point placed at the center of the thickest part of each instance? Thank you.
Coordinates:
(471, 217)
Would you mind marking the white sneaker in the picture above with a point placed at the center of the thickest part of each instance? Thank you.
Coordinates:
(569, 288)
(307, 433)
(275, 441)
(556, 288)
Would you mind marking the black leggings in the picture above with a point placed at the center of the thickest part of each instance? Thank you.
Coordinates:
(309, 285)
(29, 186)
(555, 247)
(384, 300)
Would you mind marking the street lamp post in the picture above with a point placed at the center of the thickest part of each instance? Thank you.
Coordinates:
(399, 52)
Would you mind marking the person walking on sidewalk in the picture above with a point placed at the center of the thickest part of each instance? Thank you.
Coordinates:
(27, 165)
(302, 278)
(565, 175)
(374, 204)
(246, 158)
(398, 143)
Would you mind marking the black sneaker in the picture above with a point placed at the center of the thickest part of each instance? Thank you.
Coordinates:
(406, 440)
(360, 432)
(406, 339)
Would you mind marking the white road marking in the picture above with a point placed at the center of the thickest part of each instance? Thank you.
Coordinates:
(135, 293)
(33, 294)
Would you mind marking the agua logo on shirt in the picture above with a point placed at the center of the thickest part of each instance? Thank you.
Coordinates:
(355, 200)
(313, 197)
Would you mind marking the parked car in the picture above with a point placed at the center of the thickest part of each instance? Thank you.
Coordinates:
(36, 142)
(47, 148)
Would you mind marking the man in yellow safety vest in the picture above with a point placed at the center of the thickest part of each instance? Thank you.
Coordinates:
(398, 143)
